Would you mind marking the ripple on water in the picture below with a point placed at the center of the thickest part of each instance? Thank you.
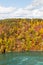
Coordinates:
(39, 63)
(22, 59)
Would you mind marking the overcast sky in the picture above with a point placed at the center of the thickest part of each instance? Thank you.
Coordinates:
(21, 9)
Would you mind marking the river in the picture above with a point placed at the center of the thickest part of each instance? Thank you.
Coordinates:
(22, 58)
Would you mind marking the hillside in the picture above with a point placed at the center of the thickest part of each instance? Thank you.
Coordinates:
(21, 35)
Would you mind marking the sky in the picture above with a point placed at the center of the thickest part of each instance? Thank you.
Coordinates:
(21, 9)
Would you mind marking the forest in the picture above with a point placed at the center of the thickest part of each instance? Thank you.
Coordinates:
(17, 35)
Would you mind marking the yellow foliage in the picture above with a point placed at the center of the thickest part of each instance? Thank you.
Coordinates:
(41, 30)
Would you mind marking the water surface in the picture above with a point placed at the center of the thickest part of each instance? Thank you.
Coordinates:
(22, 58)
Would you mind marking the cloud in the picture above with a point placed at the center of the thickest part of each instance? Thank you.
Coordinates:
(5, 10)
(38, 2)
(33, 10)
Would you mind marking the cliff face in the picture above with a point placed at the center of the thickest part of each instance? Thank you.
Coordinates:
(21, 35)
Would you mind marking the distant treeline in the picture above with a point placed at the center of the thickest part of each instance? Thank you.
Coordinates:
(21, 35)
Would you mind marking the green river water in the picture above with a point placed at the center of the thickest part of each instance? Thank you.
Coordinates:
(22, 58)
